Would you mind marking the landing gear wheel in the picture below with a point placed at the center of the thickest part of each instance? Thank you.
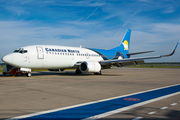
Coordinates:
(98, 73)
(28, 74)
(78, 71)
(4, 73)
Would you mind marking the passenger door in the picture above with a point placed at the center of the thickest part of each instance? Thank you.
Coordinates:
(40, 52)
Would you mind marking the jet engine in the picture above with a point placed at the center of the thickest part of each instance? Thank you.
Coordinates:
(90, 66)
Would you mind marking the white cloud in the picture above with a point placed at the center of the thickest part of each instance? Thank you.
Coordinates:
(17, 10)
(169, 10)
(90, 3)
(80, 3)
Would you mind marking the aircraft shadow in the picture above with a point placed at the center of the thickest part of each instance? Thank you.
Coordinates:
(66, 73)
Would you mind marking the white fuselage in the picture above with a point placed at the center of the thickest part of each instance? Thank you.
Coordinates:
(50, 57)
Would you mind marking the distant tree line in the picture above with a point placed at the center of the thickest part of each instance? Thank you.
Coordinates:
(164, 63)
(2, 64)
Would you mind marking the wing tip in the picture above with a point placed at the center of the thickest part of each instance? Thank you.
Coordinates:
(176, 45)
(172, 51)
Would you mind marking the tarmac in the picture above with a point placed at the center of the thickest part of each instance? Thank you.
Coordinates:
(21, 95)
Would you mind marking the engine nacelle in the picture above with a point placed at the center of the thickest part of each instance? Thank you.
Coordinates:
(90, 66)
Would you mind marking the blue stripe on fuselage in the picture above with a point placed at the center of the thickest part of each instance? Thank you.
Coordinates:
(108, 54)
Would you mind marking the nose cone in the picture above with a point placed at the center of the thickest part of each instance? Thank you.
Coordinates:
(8, 59)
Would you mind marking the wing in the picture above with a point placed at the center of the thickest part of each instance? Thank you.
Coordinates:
(129, 54)
(134, 60)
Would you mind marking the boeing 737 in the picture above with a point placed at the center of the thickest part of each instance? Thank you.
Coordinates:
(90, 60)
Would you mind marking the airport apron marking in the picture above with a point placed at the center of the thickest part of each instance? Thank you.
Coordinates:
(87, 110)
(132, 99)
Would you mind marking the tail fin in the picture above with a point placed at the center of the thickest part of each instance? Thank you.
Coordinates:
(124, 46)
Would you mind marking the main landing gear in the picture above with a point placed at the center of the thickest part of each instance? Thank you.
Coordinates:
(98, 73)
(78, 71)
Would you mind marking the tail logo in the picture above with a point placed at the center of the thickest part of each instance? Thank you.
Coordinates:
(126, 45)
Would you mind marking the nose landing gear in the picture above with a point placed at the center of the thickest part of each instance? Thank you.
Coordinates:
(27, 71)
(28, 74)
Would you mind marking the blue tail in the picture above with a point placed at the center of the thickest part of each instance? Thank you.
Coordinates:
(124, 46)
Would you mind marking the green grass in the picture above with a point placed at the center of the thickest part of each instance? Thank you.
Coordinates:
(152, 66)
(1, 68)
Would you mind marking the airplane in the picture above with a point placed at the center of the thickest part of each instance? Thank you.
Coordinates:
(84, 60)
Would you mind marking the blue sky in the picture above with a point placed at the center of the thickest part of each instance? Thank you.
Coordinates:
(102, 24)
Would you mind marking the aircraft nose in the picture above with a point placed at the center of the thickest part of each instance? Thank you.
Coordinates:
(8, 59)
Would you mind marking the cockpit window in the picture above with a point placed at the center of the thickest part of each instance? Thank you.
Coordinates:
(21, 50)
(16, 51)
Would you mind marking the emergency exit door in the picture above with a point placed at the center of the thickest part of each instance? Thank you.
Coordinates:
(40, 53)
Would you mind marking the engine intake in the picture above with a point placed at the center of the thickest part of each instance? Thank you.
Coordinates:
(90, 66)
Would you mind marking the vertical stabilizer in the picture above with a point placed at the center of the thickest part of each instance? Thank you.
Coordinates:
(124, 46)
